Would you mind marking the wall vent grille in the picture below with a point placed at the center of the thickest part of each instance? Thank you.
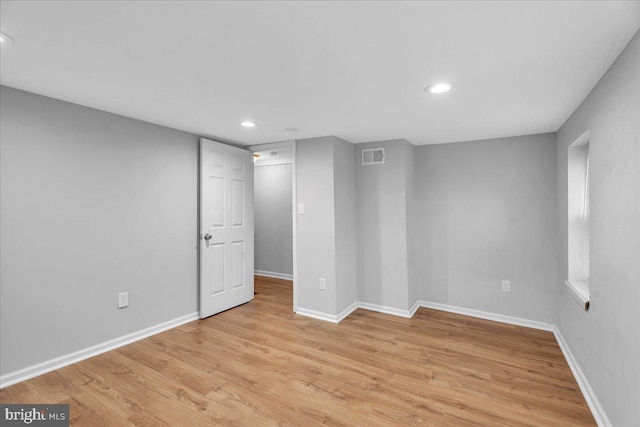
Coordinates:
(373, 156)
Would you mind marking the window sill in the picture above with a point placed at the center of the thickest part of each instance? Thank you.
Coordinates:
(579, 290)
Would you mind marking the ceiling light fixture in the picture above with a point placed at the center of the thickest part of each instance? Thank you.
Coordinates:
(6, 39)
(248, 124)
(440, 87)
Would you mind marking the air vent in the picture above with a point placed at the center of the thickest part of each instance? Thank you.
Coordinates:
(373, 156)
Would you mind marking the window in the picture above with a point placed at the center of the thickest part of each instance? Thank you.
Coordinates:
(578, 219)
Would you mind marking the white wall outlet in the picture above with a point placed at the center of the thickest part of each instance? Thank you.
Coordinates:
(300, 208)
(506, 286)
(123, 299)
(322, 284)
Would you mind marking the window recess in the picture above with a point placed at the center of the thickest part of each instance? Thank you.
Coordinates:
(578, 217)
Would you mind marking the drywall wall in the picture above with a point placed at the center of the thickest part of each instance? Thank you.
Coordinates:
(93, 204)
(606, 340)
(486, 212)
(381, 206)
(316, 257)
(326, 236)
(273, 219)
(345, 221)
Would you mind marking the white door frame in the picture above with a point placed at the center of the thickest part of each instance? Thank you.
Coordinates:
(292, 144)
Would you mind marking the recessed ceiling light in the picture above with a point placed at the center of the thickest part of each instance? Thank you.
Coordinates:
(439, 87)
(6, 39)
(248, 124)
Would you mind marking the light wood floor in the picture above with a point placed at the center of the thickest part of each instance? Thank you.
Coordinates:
(260, 364)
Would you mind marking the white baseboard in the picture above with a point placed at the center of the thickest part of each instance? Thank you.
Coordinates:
(68, 359)
(387, 310)
(489, 316)
(347, 311)
(366, 306)
(317, 315)
(414, 308)
(273, 274)
(589, 395)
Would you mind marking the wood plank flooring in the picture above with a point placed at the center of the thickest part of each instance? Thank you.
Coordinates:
(260, 364)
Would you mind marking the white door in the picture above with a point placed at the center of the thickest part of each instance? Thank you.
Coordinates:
(226, 227)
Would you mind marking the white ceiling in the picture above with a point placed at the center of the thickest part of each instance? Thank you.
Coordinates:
(356, 70)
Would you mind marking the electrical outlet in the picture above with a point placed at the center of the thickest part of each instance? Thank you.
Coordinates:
(322, 284)
(123, 299)
(506, 286)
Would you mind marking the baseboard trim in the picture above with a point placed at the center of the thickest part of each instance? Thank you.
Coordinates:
(273, 274)
(77, 356)
(414, 308)
(589, 395)
(364, 305)
(317, 315)
(386, 310)
(489, 316)
(347, 311)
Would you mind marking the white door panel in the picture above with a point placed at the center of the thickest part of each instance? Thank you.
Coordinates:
(226, 227)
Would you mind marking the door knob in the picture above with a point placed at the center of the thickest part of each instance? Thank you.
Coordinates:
(208, 237)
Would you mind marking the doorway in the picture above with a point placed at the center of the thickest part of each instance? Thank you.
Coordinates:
(275, 212)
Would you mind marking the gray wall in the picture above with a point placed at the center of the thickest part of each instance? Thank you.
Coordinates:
(316, 247)
(345, 221)
(326, 236)
(92, 204)
(486, 211)
(273, 219)
(606, 339)
(381, 205)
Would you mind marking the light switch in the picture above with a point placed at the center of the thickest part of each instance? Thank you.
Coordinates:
(506, 286)
(300, 208)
